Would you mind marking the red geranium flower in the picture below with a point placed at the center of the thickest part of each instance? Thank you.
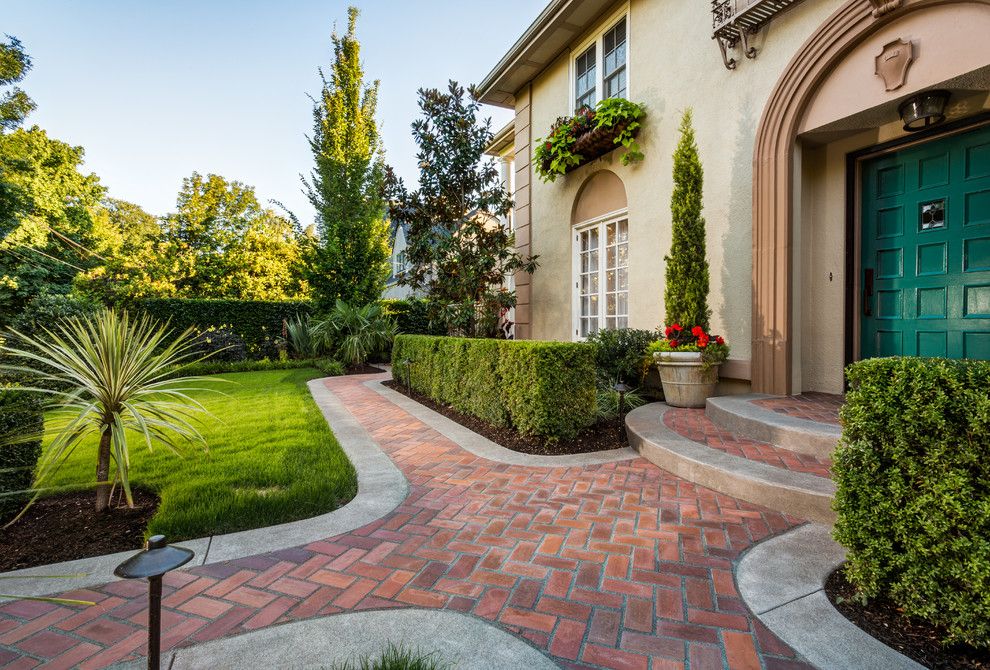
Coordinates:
(668, 331)
(677, 327)
(697, 331)
(719, 340)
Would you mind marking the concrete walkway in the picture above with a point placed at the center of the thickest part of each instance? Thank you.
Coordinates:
(608, 565)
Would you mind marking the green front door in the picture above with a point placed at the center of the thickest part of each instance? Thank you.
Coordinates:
(925, 277)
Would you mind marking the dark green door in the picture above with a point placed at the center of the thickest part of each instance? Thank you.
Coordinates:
(926, 250)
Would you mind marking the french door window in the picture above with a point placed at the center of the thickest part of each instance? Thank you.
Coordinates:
(602, 285)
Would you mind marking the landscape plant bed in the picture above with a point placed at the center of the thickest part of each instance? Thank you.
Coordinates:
(915, 639)
(364, 369)
(66, 527)
(603, 436)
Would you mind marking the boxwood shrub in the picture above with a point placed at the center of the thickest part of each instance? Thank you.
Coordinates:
(539, 388)
(21, 424)
(913, 500)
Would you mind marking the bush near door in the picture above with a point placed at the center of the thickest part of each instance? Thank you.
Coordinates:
(538, 388)
(913, 499)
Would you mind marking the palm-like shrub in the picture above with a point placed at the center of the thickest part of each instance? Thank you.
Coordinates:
(112, 376)
(355, 333)
(300, 336)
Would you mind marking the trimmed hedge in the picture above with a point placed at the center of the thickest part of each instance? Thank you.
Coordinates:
(327, 366)
(539, 388)
(257, 322)
(21, 418)
(913, 500)
(412, 316)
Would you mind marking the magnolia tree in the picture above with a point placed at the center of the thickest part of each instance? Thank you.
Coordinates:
(459, 252)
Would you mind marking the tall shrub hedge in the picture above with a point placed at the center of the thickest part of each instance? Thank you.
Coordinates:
(21, 424)
(412, 316)
(913, 500)
(257, 322)
(539, 388)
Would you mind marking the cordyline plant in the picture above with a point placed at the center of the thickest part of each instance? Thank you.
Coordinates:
(460, 254)
(112, 376)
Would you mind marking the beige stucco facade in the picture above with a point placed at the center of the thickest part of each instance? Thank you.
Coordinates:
(674, 64)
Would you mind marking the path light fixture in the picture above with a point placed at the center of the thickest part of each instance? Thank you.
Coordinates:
(152, 564)
(924, 110)
(622, 389)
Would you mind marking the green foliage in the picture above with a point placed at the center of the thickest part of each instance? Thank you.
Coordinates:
(621, 354)
(686, 294)
(47, 226)
(412, 316)
(15, 104)
(219, 343)
(355, 333)
(555, 154)
(397, 658)
(47, 308)
(258, 323)
(349, 260)
(913, 489)
(272, 459)
(539, 388)
(115, 370)
(300, 336)
(329, 367)
(21, 426)
(215, 367)
(459, 252)
(608, 401)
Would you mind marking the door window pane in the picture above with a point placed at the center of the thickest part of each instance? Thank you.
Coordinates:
(603, 292)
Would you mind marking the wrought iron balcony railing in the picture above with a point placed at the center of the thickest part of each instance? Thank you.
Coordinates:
(734, 21)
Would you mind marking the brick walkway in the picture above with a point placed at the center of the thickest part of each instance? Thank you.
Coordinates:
(820, 407)
(611, 566)
(695, 425)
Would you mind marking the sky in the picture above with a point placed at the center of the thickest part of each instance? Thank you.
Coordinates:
(155, 90)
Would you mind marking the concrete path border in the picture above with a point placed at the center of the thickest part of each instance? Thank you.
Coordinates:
(464, 641)
(738, 414)
(485, 448)
(782, 581)
(798, 493)
(381, 488)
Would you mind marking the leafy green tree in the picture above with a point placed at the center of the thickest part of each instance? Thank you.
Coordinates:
(48, 237)
(348, 260)
(221, 243)
(15, 104)
(686, 294)
(459, 251)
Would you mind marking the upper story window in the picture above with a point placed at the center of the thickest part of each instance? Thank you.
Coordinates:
(601, 68)
(400, 263)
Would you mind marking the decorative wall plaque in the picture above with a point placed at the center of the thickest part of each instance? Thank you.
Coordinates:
(893, 63)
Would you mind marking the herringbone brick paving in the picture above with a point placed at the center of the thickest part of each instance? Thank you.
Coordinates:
(820, 407)
(695, 425)
(610, 566)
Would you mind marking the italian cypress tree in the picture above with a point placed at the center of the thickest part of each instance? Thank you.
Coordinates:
(349, 258)
(686, 294)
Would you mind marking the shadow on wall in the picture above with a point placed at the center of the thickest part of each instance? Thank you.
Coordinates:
(736, 297)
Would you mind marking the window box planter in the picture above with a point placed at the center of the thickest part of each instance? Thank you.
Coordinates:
(589, 134)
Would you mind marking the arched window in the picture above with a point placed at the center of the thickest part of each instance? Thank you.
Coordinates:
(601, 255)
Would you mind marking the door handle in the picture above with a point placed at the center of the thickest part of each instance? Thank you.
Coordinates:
(868, 293)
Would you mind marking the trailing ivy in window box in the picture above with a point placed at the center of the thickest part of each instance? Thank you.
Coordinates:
(589, 134)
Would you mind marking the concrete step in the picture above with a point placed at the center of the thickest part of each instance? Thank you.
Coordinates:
(797, 493)
(740, 416)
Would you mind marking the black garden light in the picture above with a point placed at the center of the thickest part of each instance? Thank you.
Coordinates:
(622, 389)
(152, 564)
(407, 362)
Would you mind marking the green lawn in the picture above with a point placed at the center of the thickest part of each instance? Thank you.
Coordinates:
(272, 458)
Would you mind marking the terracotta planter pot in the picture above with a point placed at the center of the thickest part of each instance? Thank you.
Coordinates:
(685, 382)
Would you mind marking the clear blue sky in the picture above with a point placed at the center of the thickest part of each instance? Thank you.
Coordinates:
(155, 90)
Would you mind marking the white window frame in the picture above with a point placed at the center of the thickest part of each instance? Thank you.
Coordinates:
(596, 38)
(600, 223)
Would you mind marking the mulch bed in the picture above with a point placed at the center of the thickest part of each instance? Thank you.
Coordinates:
(363, 369)
(602, 436)
(65, 527)
(915, 639)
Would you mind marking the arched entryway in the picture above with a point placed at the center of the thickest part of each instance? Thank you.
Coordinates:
(824, 85)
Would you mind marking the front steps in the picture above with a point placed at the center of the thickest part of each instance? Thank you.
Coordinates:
(759, 455)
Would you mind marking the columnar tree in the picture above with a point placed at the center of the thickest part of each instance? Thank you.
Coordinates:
(349, 258)
(460, 253)
(686, 294)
